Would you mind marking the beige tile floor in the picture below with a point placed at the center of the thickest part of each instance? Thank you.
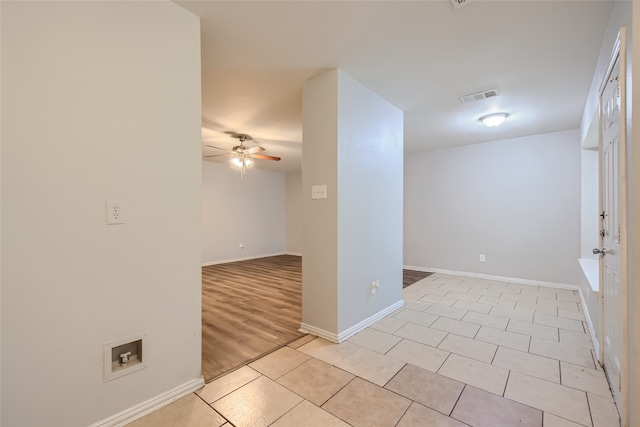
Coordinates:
(463, 352)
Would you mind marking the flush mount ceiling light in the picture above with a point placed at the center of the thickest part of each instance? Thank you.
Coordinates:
(493, 120)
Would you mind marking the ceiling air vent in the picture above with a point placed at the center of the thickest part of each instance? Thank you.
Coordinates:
(457, 4)
(479, 95)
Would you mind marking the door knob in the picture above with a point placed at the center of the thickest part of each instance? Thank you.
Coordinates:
(597, 251)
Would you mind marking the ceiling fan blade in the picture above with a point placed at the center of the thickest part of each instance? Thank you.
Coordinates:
(221, 155)
(265, 157)
(253, 150)
(218, 148)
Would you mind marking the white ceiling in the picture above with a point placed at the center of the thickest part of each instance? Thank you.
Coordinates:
(419, 55)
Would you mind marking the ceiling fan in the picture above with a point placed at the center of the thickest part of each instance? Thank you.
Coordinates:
(241, 155)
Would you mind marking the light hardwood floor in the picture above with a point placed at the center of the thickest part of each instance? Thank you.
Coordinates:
(251, 308)
(409, 277)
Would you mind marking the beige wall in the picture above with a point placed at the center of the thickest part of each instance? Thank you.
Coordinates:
(248, 211)
(100, 101)
(516, 201)
(353, 145)
(370, 194)
(320, 217)
(294, 212)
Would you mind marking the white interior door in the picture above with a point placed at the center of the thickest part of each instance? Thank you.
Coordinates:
(611, 232)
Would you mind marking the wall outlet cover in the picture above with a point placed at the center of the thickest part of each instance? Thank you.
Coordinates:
(319, 192)
(115, 212)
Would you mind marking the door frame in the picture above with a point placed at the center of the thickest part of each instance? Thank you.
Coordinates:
(619, 52)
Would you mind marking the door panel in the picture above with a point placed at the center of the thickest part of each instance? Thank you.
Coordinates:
(610, 238)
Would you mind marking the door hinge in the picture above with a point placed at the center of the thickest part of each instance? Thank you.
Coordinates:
(602, 233)
(602, 215)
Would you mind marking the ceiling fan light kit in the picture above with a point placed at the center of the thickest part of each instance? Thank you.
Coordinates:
(493, 120)
(240, 162)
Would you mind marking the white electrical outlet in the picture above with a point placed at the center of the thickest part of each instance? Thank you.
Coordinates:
(482, 258)
(373, 287)
(241, 246)
(319, 192)
(115, 213)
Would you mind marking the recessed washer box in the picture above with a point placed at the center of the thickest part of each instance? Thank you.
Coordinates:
(124, 356)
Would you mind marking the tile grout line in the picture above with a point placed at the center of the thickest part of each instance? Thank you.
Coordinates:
(504, 391)
(589, 406)
(298, 404)
(443, 363)
(494, 355)
(457, 400)
(341, 388)
(394, 375)
(212, 408)
(406, 410)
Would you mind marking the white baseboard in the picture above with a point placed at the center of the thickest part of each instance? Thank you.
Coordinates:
(493, 277)
(157, 402)
(344, 335)
(369, 321)
(414, 268)
(308, 329)
(224, 261)
(295, 253)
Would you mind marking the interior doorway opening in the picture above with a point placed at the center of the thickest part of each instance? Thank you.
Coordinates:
(249, 308)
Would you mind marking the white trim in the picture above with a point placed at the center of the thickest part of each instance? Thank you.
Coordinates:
(592, 276)
(224, 261)
(492, 277)
(414, 268)
(369, 321)
(308, 329)
(330, 336)
(619, 53)
(592, 331)
(140, 410)
(294, 253)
